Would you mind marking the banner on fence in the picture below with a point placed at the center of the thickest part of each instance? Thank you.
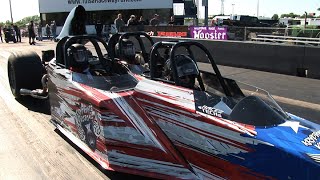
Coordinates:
(217, 33)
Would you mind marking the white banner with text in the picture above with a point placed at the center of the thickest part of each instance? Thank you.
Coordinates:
(53, 6)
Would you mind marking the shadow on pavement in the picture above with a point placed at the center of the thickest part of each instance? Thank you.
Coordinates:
(110, 174)
(36, 105)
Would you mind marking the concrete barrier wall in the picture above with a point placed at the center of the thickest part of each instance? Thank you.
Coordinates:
(276, 58)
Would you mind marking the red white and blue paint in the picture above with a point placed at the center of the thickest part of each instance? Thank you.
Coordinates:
(158, 130)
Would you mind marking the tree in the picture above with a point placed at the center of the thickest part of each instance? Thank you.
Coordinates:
(22, 22)
(318, 9)
(291, 15)
(275, 17)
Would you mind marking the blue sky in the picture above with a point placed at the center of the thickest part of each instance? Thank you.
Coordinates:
(23, 8)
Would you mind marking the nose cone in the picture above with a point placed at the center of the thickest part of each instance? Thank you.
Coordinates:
(75, 23)
(298, 137)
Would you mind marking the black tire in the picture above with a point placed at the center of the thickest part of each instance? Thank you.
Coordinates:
(7, 41)
(25, 70)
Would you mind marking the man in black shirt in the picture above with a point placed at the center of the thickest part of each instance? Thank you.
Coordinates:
(18, 34)
(99, 28)
(155, 21)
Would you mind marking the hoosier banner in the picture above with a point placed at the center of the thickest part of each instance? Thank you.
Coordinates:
(217, 33)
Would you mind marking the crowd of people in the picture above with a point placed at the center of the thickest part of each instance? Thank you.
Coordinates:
(11, 32)
(14, 33)
(133, 21)
(49, 31)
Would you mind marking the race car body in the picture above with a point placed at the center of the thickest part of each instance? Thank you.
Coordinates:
(150, 128)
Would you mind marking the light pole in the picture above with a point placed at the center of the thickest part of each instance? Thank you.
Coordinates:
(258, 9)
(11, 11)
(232, 10)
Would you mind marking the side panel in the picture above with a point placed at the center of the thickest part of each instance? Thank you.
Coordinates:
(113, 129)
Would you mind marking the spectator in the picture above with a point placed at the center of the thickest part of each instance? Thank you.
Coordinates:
(142, 21)
(171, 22)
(155, 20)
(40, 32)
(32, 34)
(18, 33)
(99, 28)
(106, 31)
(1, 35)
(119, 22)
(48, 32)
(213, 22)
(53, 28)
(132, 21)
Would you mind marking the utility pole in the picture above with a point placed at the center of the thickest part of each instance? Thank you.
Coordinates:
(222, 7)
(206, 13)
(232, 10)
(11, 11)
(258, 6)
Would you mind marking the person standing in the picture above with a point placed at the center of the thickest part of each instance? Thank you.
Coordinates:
(99, 28)
(18, 33)
(155, 20)
(132, 21)
(1, 34)
(53, 28)
(40, 32)
(32, 34)
(171, 22)
(48, 32)
(142, 21)
(119, 22)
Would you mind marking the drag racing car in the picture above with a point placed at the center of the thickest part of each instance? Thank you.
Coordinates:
(170, 121)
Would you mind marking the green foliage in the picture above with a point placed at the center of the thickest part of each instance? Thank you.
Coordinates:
(275, 17)
(23, 22)
(292, 15)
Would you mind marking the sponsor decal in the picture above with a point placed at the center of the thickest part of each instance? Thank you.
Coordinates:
(312, 140)
(217, 33)
(168, 33)
(315, 157)
(86, 113)
(211, 111)
(172, 34)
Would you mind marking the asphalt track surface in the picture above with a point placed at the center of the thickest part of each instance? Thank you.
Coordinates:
(32, 149)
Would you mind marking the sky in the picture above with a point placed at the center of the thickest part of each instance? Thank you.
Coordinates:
(24, 8)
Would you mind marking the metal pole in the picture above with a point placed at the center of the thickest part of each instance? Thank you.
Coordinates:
(206, 14)
(258, 9)
(11, 11)
(232, 10)
(205, 4)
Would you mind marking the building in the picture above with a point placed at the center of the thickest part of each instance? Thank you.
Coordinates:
(106, 10)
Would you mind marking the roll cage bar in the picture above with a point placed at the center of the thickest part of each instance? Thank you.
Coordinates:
(174, 45)
(118, 37)
(66, 42)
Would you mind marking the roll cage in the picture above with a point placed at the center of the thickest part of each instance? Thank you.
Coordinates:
(173, 46)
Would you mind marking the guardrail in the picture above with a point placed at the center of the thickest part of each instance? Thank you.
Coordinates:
(287, 39)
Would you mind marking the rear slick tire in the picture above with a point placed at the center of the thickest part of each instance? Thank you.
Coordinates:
(25, 70)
